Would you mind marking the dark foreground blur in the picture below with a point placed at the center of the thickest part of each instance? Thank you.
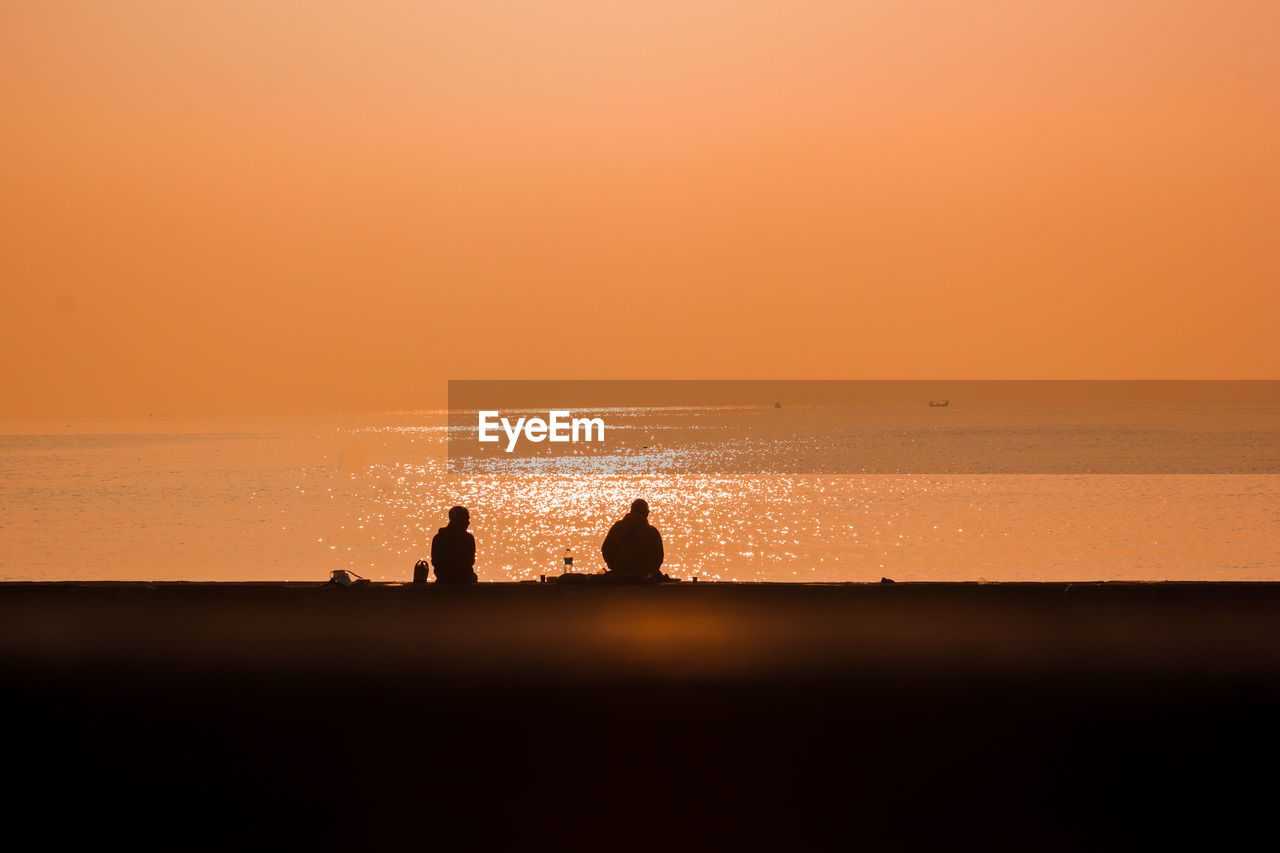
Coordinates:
(701, 716)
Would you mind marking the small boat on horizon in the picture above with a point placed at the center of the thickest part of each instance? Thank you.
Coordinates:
(939, 404)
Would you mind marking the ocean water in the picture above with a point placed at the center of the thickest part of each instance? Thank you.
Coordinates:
(294, 498)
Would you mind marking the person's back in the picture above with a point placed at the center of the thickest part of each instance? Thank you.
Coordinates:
(633, 546)
(453, 550)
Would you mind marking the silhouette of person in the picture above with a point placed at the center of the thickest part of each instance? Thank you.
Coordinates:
(453, 549)
(633, 547)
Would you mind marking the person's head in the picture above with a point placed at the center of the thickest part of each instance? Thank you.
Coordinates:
(459, 517)
(640, 507)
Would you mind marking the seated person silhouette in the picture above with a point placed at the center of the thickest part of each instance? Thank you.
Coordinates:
(633, 548)
(453, 549)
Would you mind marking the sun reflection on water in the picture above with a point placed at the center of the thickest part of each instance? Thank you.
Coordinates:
(296, 500)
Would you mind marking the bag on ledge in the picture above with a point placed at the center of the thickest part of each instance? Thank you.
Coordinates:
(342, 577)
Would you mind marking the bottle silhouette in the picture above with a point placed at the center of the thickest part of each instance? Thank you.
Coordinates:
(568, 559)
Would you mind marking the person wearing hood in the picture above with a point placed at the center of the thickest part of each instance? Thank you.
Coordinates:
(633, 547)
(453, 549)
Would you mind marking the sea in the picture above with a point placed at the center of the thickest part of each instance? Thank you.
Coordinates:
(161, 498)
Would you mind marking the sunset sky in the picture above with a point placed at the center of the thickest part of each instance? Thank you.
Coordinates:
(219, 207)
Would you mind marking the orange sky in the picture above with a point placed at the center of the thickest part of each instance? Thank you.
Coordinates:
(267, 206)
